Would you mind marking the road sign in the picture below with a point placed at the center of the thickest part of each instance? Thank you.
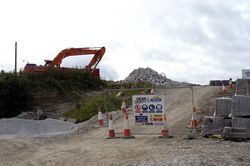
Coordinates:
(245, 73)
(148, 109)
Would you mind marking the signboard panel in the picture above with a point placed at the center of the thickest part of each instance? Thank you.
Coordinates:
(245, 73)
(148, 109)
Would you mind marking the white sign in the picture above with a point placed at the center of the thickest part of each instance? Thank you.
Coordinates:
(245, 73)
(148, 109)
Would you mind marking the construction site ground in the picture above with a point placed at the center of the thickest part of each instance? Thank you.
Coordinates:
(88, 146)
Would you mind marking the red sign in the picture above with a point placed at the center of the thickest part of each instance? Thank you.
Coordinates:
(137, 108)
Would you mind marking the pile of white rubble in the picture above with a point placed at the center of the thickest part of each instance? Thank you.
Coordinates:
(150, 76)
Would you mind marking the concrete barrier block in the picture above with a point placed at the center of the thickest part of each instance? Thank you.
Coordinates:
(223, 107)
(240, 106)
(235, 129)
(239, 122)
(243, 87)
(234, 136)
(212, 125)
(227, 122)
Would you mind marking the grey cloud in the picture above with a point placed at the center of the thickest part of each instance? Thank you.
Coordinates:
(184, 21)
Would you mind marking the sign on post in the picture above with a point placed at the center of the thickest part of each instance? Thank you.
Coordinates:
(148, 109)
(245, 73)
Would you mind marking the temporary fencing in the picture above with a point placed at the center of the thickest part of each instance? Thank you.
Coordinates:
(125, 101)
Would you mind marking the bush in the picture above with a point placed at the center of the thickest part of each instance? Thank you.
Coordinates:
(89, 108)
(14, 95)
(61, 81)
(15, 91)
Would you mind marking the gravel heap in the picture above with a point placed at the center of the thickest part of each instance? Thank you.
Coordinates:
(150, 76)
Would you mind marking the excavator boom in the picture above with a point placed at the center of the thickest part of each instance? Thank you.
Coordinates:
(56, 62)
(97, 51)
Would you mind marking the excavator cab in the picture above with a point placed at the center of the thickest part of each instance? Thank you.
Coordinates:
(47, 62)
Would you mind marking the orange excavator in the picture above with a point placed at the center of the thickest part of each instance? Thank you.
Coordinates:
(91, 67)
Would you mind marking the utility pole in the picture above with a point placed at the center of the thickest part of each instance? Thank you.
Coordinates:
(15, 58)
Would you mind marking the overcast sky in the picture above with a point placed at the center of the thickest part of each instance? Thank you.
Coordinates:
(188, 40)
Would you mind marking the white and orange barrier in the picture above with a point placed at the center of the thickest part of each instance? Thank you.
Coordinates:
(123, 107)
(126, 129)
(164, 131)
(100, 118)
(111, 132)
(194, 121)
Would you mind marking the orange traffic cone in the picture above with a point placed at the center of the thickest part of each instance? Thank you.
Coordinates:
(123, 107)
(126, 130)
(224, 89)
(164, 131)
(111, 133)
(100, 118)
(194, 121)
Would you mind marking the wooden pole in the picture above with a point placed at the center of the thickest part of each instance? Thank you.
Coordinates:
(15, 57)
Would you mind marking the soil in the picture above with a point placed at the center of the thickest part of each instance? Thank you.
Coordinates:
(54, 105)
(88, 146)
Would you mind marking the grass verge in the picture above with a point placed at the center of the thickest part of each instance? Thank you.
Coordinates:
(110, 101)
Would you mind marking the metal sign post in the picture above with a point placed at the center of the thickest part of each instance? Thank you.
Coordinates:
(15, 58)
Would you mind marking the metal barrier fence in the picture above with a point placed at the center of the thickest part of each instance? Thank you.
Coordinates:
(106, 91)
(143, 90)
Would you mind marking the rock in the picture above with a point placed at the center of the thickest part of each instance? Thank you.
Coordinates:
(42, 116)
(72, 120)
(62, 119)
(150, 76)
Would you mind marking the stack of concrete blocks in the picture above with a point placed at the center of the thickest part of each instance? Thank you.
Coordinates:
(211, 125)
(241, 112)
(215, 124)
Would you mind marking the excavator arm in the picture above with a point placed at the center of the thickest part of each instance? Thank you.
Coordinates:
(97, 51)
(56, 62)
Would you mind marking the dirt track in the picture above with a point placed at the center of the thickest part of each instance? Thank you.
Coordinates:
(90, 148)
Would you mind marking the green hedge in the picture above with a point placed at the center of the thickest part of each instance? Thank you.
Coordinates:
(15, 95)
(61, 81)
(15, 91)
(110, 100)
